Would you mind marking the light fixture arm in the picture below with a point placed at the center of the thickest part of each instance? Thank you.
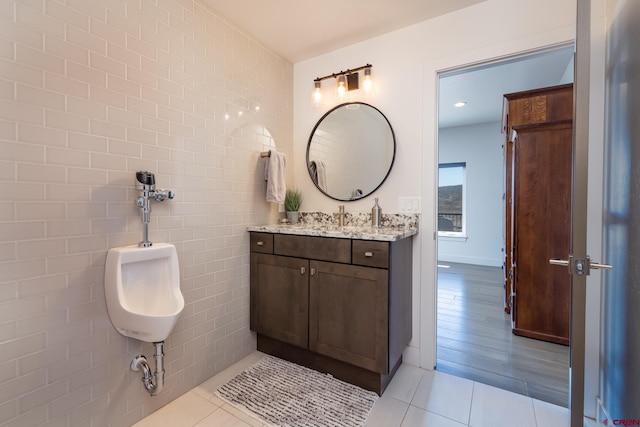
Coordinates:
(342, 73)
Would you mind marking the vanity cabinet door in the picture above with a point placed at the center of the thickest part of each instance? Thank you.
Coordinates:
(280, 298)
(348, 314)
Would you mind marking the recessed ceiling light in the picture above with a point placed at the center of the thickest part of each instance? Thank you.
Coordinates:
(460, 104)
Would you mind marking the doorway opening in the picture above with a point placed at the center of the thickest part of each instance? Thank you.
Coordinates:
(474, 331)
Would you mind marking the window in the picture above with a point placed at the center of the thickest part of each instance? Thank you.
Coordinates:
(451, 204)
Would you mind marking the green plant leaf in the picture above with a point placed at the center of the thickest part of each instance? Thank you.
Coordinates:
(292, 200)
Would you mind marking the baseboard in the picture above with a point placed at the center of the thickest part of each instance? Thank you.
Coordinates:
(411, 356)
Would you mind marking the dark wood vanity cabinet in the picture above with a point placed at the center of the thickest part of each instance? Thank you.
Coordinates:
(337, 305)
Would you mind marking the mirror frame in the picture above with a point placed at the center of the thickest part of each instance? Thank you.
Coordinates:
(393, 157)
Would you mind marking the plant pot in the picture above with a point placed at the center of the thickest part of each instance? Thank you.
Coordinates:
(293, 216)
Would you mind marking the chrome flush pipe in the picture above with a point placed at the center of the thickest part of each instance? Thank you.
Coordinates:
(152, 383)
(146, 184)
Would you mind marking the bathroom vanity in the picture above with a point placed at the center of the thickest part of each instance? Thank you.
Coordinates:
(335, 299)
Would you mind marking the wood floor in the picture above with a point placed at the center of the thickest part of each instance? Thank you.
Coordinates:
(475, 339)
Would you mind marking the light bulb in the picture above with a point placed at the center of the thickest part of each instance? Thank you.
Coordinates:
(317, 94)
(367, 83)
(341, 89)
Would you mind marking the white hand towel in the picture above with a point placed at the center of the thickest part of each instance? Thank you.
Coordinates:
(275, 175)
(322, 175)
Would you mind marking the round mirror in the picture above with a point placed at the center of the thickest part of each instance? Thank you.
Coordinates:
(351, 150)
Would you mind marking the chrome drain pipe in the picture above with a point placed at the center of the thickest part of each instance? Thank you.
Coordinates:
(152, 383)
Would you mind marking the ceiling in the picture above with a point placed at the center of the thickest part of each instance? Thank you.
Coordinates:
(482, 87)
(301, 29)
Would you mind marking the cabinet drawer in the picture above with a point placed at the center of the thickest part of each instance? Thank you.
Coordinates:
(370, 253)
(320, 248)
(262, 242)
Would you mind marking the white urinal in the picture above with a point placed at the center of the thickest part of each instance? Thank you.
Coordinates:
(142, 288)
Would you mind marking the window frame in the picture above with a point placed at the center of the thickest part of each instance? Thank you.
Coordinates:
(462, 234)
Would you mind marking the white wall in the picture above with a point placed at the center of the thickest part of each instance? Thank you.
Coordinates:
(480, 147)
(90, 92)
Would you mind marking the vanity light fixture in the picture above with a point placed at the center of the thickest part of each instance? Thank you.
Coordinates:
(346, 81)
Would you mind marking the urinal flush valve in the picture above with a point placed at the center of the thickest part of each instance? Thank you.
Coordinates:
(146, 185)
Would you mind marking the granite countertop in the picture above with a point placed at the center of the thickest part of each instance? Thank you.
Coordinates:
(360, 232)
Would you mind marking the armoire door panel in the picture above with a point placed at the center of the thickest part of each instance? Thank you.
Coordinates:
(542, 224)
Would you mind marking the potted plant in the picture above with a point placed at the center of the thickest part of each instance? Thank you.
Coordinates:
(292, 202)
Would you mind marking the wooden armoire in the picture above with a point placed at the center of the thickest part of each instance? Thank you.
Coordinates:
(538, 162)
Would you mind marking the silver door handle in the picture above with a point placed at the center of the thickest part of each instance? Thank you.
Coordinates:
(368, 254)
(580, 266)
(601, 266)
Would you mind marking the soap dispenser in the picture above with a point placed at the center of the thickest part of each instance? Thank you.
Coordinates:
(376, 215)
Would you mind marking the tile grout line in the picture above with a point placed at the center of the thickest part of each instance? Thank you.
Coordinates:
(533, 407)
(473, 393)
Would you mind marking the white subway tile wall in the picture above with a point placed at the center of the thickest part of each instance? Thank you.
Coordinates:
(90, 92)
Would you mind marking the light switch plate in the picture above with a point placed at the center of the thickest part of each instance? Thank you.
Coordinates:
(410, 205)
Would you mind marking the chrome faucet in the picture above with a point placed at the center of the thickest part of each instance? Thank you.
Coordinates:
(146, 185)
(340, 215)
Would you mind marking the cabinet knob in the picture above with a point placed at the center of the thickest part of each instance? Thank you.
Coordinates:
(303, 270)
(260, 243)
(368, 254)
(313, 271)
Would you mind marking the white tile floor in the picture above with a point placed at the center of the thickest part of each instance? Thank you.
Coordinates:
(415, 398)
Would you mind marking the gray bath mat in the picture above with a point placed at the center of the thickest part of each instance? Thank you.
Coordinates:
(288, 395)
